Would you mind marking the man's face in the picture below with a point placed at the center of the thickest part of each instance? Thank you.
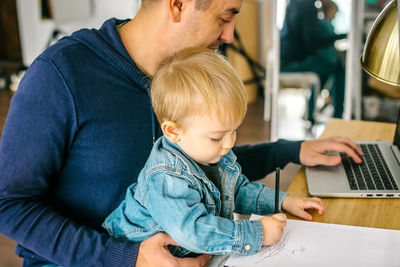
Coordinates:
(211, 27)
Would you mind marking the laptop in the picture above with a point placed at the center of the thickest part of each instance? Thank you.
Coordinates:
(378, 176)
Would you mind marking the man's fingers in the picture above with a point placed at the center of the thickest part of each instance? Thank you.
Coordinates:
(154, 252)
(343, 148)
(204, 259)
(349, 143)
(327, 160)
(200, 261)
(166, 239)
(313, 153)
(350, 152)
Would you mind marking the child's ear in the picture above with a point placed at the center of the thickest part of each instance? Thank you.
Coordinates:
(171, 131)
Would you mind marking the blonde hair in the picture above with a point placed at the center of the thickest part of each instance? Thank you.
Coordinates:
(198, 81)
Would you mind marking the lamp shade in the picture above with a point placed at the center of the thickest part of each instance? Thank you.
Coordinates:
(381, 57)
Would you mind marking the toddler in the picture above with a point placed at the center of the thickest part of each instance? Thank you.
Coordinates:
(191, 183)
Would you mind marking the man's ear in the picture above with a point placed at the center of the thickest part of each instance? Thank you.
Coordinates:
(171, 131)
(175, 9)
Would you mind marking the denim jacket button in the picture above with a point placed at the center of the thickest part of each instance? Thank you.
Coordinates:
(226, 197)
(247, 247)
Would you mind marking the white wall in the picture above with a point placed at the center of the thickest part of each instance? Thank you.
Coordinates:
(35, 32)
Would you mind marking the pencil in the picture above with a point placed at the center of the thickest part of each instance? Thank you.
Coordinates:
(277, 190)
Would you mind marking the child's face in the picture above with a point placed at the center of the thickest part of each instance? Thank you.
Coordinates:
(205, 139)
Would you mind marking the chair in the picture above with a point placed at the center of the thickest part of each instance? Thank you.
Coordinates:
(304, 80)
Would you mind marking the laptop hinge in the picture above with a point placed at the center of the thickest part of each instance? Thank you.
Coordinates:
(396, 153)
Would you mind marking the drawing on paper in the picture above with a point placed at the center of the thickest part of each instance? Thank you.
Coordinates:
(302, 241)
(270, 251)
(267, 253)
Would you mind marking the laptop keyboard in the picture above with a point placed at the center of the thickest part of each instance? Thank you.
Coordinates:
(372, 174)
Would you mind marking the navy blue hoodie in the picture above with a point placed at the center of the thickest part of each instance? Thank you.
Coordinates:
(78, 131)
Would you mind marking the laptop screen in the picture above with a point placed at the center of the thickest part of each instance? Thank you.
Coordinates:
(397, 133)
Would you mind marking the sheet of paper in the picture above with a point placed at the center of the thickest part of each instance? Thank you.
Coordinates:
(312, 244)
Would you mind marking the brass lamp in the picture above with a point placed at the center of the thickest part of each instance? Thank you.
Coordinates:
(381, 57)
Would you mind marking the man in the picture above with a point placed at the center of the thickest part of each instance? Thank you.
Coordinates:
(303, 36)
(81, 126)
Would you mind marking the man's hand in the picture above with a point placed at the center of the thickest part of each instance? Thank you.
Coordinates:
(298, 205)
(153, 252)
(312, 152)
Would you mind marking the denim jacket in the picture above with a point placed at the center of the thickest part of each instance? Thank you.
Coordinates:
(173, 195)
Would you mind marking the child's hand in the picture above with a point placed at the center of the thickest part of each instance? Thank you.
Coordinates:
(298, 205)
(273, 228)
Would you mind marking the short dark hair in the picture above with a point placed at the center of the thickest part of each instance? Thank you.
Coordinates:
(148, 3)
(328, 5)
(199, 5)
(202, 4)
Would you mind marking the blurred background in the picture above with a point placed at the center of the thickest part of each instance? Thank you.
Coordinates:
(293, 104)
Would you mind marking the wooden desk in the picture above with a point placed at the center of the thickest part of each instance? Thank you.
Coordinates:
(379, 213)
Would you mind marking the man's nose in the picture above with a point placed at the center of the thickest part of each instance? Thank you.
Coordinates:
(227, 32)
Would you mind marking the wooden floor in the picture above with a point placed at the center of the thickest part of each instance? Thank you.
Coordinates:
(253, 130)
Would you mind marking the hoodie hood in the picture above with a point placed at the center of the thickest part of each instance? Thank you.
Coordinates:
(107, 44)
